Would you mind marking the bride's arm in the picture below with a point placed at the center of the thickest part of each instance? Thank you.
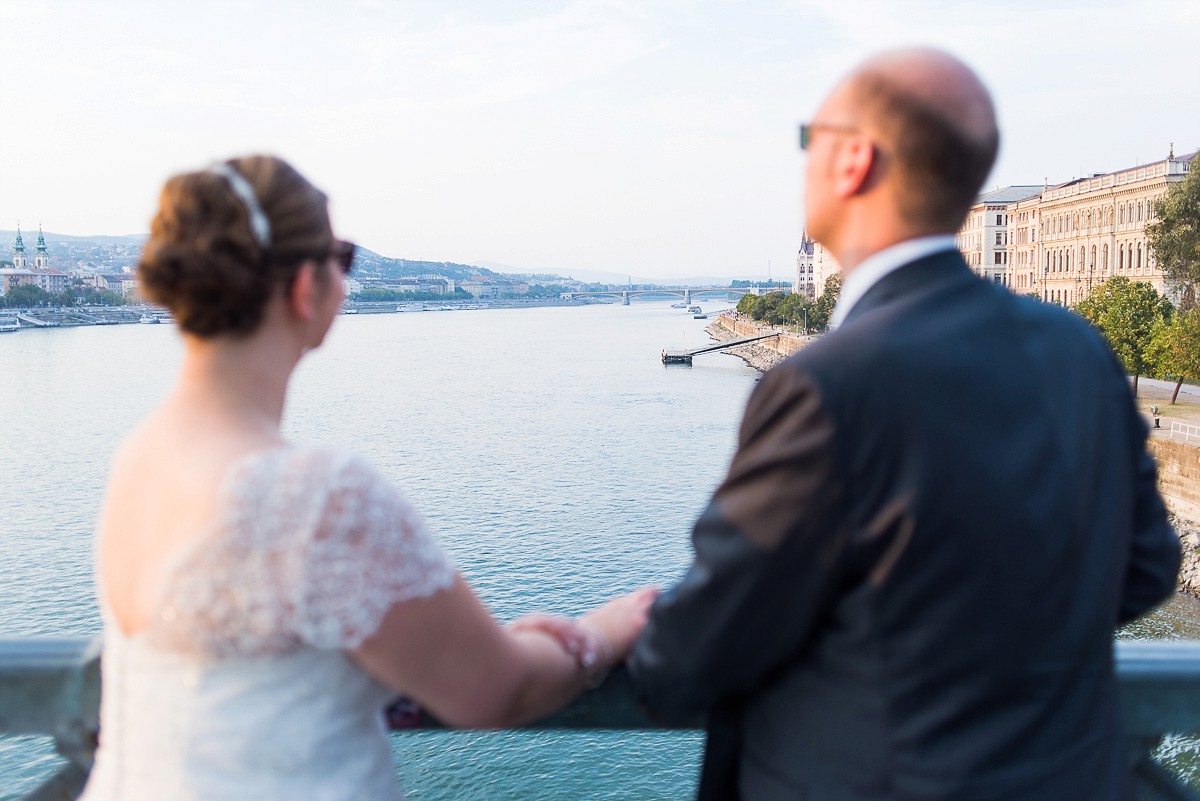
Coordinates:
(447, 652)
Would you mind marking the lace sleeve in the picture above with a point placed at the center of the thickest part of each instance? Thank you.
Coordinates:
(367, 551)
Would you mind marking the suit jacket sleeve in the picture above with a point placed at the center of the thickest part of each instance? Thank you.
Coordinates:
(1154, 552)
(766, 559)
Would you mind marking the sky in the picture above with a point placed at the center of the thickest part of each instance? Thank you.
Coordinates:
(650, 139)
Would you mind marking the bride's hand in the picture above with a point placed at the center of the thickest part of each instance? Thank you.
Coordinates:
(620, 621)
(565, 631)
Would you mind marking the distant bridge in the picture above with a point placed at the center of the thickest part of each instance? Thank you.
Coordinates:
(683, 292)
(685, 356)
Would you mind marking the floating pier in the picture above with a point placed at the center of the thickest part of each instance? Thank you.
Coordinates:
(685, 356)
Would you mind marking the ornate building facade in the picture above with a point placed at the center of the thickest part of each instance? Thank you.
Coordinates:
(814, 264)
(807, 282)
(1070, 238)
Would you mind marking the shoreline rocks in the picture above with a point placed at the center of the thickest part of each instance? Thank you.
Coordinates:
(1189, 544)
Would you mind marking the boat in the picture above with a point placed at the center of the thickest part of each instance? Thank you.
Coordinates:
(148, 319)
(701, 316)
(694, 309)
(678, 305)
(9, 323)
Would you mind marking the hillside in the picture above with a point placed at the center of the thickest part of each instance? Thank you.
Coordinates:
(115, 253)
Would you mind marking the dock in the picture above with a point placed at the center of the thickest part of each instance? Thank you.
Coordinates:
(685, 356)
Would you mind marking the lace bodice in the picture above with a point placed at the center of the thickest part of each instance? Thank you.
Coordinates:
(310, 546)
(242, 688)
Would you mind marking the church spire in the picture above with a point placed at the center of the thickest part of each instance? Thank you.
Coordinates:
(19, 251)
(41, 261)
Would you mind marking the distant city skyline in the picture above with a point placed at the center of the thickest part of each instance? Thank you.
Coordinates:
(652, 140)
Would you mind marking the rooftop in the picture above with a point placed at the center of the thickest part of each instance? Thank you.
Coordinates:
(1009, 194)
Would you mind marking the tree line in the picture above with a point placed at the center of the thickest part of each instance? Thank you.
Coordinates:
(27, 295)
(797, 311)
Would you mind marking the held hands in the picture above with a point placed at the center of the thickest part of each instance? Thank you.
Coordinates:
(599, 639)
(621, 620)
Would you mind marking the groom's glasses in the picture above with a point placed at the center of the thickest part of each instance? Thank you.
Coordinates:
(806, 131)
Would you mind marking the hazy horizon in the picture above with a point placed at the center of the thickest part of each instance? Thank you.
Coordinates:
(596, 135)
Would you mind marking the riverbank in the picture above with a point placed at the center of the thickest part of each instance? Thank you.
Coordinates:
(762, 356)
(1178, 462)
(50, 318)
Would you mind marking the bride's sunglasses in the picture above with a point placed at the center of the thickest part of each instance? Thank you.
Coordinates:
(343, 254)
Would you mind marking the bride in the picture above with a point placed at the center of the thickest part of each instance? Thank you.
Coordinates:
(263, 600)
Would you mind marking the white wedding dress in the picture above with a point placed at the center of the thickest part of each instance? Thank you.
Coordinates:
(243, 688)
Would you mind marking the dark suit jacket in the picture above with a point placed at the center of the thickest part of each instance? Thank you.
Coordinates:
(907, 586)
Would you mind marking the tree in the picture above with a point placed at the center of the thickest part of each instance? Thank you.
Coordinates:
(822, 310)
(1175, 349)
(1175, 238)
(1126, 314)
(27, 295)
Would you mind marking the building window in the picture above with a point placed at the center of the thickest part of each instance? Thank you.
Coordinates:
(999, 219)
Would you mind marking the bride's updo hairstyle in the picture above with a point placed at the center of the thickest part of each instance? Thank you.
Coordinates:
(224, 238)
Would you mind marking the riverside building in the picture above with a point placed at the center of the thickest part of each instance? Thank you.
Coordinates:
(983, 238)
(807, 282)
(39, 274)
(1055, 242)
(813, 265)
(1068, 239)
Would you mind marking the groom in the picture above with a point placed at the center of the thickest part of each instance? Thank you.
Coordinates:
(906, 587)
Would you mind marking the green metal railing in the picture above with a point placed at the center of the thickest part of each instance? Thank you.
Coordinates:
(52, 687)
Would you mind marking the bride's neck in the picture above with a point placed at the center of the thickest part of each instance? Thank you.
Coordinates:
(242, 380)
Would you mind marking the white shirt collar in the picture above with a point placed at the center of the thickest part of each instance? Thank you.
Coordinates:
(873, 268)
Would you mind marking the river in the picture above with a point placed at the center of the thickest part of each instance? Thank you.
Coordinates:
(556, 458)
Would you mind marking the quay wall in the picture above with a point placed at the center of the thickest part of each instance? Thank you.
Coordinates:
(1178, 477)
(1179, 483)
(761, 355)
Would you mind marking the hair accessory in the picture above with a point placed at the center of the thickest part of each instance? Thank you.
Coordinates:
(260, 226)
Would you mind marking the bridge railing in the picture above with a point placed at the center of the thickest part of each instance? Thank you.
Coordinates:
(1185, 431)
(52, 687)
